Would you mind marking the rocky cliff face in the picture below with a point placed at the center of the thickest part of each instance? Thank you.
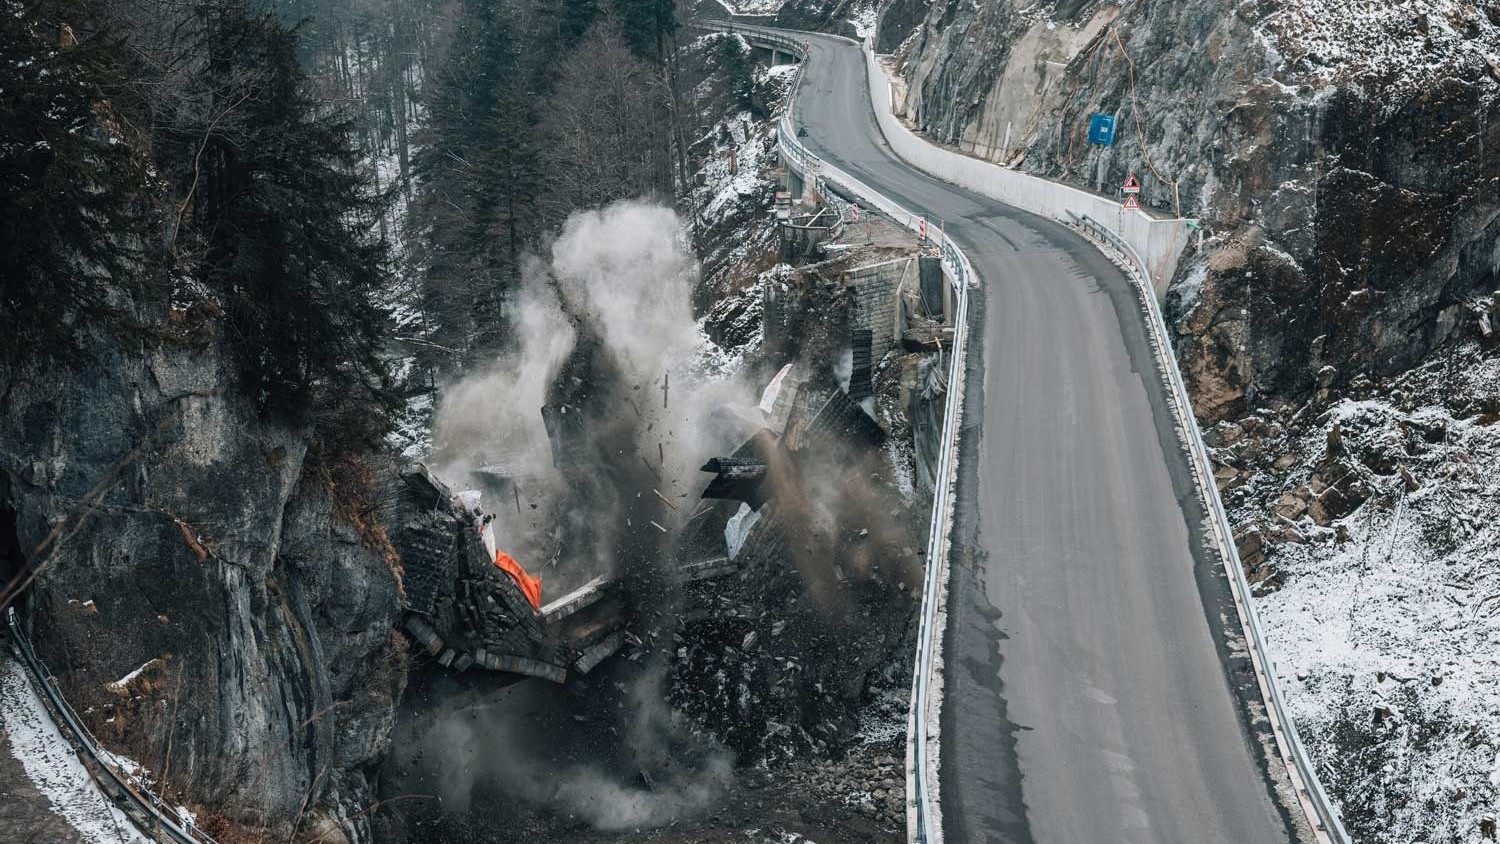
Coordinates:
(204, 592)
(1336, 152)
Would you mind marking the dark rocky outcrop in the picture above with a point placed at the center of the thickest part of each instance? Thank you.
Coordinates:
(212, 605)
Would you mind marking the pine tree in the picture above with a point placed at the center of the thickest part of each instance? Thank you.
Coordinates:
(478, 175)
(733, 60)
(646, 24)
(67, 230)
(283, 218)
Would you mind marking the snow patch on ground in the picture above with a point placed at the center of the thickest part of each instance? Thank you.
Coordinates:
(1399, 45)
(129, 678)
(717, 363)
(780, 836)
(864, 19)
(883, 720)
(412, 434)
(902, 456)
(752, 7)
(53, 767)
(1386, 626)
(734, 175)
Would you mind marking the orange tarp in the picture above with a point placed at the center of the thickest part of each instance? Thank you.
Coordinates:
(531, 587)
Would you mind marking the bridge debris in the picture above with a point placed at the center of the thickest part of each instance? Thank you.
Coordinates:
(469, 607)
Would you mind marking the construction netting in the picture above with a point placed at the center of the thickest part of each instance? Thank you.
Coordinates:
(531, 587)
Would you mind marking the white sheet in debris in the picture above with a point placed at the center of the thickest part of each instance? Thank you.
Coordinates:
(738, 528)
(53, 767)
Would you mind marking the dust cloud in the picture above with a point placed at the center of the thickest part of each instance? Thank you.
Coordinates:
(617, 286)
(604, 326)
(494, 411)
(614, 756)
(627, 268)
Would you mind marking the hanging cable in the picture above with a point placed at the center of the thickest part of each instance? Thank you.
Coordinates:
(1140, 136)
(1072, 136)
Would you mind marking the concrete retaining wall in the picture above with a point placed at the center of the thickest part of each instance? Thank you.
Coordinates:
(1157, 243)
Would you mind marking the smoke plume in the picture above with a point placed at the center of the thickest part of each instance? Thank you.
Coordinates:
(607, 324)
(605, 329)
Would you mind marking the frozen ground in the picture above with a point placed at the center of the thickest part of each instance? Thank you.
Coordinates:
(1404, 45)
(744, 149)
(48, 797)
(864, 18)
(1380, 589)
(752, 7)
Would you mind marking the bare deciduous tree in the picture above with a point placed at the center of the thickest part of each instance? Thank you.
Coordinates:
(606, 131)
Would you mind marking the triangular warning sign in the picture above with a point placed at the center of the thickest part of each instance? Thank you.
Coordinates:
(1130, 202)
(1131, 185)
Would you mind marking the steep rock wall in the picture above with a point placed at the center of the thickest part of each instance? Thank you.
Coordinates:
(1337, 153)
(205, 609)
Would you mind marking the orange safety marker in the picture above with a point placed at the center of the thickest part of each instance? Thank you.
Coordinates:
(531, 587)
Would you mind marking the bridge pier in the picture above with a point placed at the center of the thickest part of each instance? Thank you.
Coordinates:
(795, 184)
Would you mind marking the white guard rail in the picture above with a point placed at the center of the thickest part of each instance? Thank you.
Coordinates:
(924, 812)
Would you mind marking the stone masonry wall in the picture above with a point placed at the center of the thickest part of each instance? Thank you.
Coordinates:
(874, 301)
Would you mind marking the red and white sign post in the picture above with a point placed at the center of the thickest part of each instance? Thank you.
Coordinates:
(1131, 187)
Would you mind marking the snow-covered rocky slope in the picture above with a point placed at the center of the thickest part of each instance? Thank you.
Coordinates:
(1369, 521)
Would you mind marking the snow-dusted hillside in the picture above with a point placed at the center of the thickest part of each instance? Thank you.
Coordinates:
(1388, 45)
(1371, 523)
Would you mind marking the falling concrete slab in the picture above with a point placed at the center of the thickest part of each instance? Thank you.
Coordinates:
(584, 596)
(598, 652)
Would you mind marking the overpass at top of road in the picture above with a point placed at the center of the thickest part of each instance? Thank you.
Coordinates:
(1097, 687)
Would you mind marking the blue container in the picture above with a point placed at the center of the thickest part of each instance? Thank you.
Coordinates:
(1102, 129)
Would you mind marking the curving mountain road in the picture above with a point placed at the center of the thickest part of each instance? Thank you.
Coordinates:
(1088, 694)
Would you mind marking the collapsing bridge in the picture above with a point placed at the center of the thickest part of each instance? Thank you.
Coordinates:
(467, 611)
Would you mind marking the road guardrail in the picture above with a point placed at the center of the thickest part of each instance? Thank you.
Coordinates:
(151, 815)
(924, 811)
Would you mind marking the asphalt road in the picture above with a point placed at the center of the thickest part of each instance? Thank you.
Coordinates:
(1089, 696)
